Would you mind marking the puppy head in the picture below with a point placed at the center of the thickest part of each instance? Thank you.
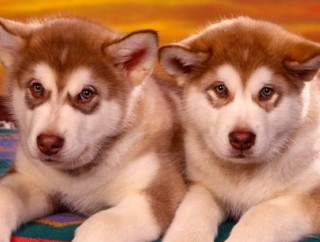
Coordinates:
(73, 84)
(245, 86)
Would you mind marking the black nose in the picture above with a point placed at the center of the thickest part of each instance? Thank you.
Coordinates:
(49, 144)
(242, 140)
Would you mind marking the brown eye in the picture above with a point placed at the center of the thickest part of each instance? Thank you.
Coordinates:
(221, 90)
(86, 94)
(37, 90)
(266, 93)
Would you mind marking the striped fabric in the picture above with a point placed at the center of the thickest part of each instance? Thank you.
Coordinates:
(58, 227)
(55, 228)
(8, 146)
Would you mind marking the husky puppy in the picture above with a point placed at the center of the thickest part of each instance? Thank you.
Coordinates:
(97, 133)
(251, 112)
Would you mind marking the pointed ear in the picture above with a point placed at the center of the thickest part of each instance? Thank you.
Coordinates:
(135, 54)
(11, 38)
(181, 62)
(303, 61)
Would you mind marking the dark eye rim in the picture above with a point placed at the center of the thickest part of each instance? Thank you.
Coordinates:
(82, 98)
(266, 96)
(36, 92)
(222, 94)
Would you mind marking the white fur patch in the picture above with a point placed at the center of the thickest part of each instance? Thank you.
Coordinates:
(230, 76)
(258, 79)
(77, 80)
(46, 76)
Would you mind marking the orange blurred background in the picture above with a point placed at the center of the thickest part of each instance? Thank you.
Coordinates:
(173, 19)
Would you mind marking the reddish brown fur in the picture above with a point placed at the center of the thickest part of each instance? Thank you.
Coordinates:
(168, 188)
(271, 46)
(311, 204)
(166, 196)
(80, 46)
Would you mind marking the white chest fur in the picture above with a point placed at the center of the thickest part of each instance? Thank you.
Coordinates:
(239, 190)
(100, 188)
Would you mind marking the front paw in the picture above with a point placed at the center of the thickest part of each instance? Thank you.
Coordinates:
(5, 233)
(246, 236)
(6, 227)
(99, 228)
(5, 239)
(233, 239)
(93, 231)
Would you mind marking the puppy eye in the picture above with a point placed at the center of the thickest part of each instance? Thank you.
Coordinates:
(221, 90)
(36, 90)
(87, 94)
(266, 93)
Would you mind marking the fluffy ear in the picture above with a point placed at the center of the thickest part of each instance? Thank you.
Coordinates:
(180, 62)
(135, 54)
(303, 61)
(11, 38)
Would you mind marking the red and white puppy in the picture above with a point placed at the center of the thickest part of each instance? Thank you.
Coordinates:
(252, 120)
(96, 130)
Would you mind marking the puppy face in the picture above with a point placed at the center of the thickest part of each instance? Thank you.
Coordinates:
(244, 123)
(73, 84)
(245, 90)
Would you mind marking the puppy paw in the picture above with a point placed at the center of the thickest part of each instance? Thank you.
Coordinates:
(98, 228)
(89, 232)
(5, 233)
(5, 239)
(6, 228)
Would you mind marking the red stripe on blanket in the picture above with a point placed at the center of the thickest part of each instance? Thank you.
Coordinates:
(23, 239)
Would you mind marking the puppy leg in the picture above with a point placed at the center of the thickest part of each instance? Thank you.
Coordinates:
(20, 201)
(130, 221)
(284, 219)
(196, 219)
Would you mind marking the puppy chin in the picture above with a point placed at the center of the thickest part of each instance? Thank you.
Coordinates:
(64, 160)
(240, 157)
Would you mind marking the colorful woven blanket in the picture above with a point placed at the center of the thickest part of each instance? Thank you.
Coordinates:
(60, 227)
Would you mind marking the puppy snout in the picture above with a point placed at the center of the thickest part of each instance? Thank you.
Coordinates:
(242, 140)
(49, 144)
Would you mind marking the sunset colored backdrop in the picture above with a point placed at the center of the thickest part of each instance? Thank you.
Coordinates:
(174, 19)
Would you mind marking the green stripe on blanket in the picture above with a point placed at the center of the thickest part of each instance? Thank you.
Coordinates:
(57, 227)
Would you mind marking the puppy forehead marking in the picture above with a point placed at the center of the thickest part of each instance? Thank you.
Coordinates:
(229, 75)
(64, 54)
(77, 79)
(260, 77)
(246, 54)
(46, 75)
